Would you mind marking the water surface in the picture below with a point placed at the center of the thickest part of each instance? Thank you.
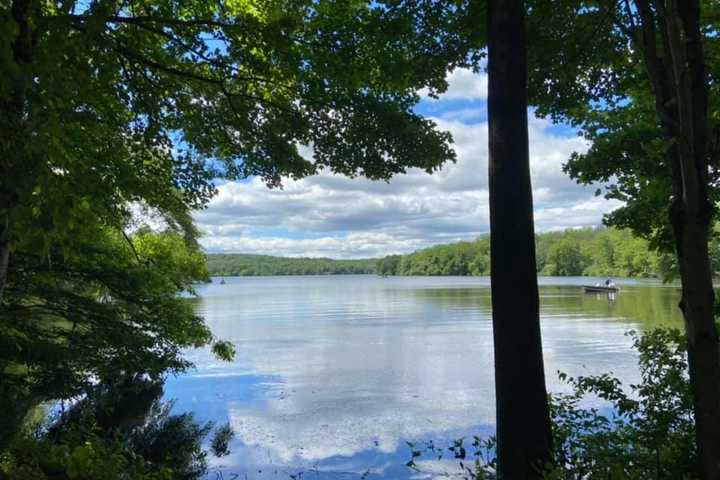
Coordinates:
(334, 373)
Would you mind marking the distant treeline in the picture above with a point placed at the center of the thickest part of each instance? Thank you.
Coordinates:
(591, 252)
(251, 265)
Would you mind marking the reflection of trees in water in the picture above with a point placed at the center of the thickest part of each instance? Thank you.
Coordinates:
(651, 306)
(119, 424)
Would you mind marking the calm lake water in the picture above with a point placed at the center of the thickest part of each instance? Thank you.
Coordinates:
(334, 373)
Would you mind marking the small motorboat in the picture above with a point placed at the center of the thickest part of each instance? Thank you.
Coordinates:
(600, 289)
(222, 281)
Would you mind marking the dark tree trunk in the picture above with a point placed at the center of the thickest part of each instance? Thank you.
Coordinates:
(691, 218)
(704, 363)
(523, 419)
(680, 84)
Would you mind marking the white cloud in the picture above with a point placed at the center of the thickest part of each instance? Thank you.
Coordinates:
(353, 245)
(464, 84)
(331, 215)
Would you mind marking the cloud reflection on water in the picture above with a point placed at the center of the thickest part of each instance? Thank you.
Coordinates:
(337, 372)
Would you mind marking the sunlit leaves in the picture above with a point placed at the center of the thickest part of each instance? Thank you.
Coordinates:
(108, 305)
(143, 105)
(587, 68)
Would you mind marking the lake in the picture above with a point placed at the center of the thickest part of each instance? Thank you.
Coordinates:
(333, 374)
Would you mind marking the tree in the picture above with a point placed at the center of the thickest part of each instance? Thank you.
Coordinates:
(646, 99)
(119, 429)
(565, 258)
(149, 101)
(388, 265)
(109, 107)
(97, 311)
(523, 418)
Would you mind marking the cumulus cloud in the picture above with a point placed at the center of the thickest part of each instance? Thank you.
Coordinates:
(464, 84)
(334, 216)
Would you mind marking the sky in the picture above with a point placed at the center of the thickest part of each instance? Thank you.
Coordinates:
(333, 216)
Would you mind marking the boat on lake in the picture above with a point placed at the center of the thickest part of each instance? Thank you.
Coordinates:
(600, 289)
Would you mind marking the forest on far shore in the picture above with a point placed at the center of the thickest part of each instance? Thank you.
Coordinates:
(574, 252)
(244, 265)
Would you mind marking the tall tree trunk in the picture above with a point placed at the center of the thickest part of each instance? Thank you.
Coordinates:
(697, 305)
(691, 218)
(523, 419)
(680, 85)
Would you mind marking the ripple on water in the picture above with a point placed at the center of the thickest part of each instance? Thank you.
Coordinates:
(335, 373)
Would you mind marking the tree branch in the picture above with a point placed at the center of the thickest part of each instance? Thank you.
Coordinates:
(139, 20)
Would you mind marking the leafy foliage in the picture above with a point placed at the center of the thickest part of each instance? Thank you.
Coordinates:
(592, 252)
(251, 265)
(109, 305)
(596, 80)
(646, 98)
(150, 101)
(463, 258)
(651, 431)
(109, 108)
(646, 432)
(104, 307)
(119, 430)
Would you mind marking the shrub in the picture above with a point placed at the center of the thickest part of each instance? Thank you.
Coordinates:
(644, 432)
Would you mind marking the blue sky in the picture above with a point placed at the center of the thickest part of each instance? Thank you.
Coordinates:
(333, 216)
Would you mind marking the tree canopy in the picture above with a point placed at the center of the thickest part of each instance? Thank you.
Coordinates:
(574, 252)
(109, 104)
(587, 69)
(646, 97)
(232, 264)
(117, 116)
